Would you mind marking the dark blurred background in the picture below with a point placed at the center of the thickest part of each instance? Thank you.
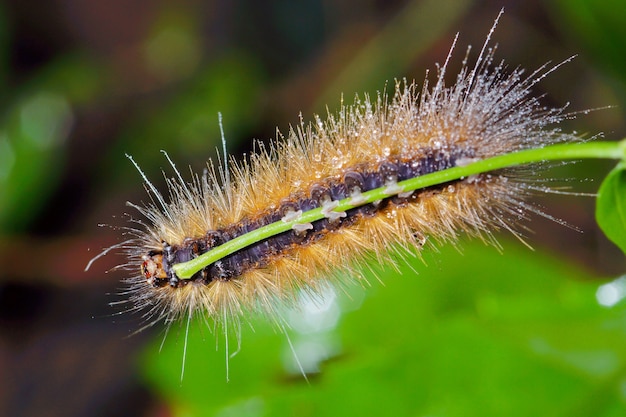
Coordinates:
(83, 83)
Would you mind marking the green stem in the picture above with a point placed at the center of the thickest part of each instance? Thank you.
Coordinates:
(595, 150)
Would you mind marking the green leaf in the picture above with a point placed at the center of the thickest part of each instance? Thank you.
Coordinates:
(611, 206)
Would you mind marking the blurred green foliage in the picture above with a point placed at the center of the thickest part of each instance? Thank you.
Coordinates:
(599, 27)
(33, 132)
(475, 333)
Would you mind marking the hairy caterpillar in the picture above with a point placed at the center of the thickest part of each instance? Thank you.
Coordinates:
(370, 145)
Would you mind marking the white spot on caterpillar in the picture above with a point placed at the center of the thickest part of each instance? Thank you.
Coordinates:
(406, 194)
(462, 162)
(328, 208)
(392, 188)
(302, 227)
(292, 216)
(356, 198)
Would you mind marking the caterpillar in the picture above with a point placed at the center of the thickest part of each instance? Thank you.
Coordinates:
(371, 146)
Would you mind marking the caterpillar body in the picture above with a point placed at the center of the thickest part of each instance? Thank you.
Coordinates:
(371, 144)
